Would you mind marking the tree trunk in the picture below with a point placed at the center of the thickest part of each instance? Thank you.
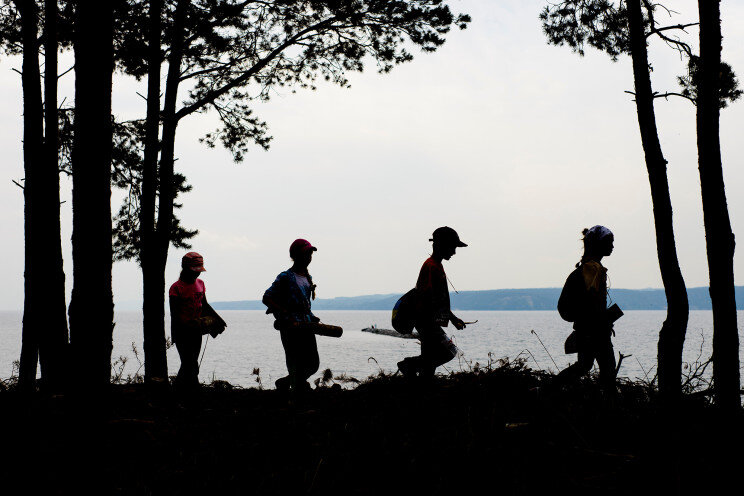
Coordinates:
(719, 239)
(154, 272)
(91, 306)
(156, 364)
(53, 333)
(32, 146)
(672, 334)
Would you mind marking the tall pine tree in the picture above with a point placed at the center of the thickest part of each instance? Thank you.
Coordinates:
(91, 306)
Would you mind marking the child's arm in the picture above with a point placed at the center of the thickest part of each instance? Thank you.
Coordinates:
(176, 315)
(456, 321)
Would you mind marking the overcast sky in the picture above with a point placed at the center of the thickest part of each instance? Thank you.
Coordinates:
(516, 144)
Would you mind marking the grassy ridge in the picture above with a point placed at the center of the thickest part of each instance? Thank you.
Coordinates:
(484, 430)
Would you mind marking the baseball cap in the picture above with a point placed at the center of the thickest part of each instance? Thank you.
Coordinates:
(193, 261)
(300, 246)
(446, 234)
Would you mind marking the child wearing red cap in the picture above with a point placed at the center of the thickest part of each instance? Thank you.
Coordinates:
(187, 297)
(289, 299)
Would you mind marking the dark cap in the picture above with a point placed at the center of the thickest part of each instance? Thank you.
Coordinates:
(447, 235)
(300, 246)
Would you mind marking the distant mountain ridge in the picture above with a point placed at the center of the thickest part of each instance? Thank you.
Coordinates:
(503, 299)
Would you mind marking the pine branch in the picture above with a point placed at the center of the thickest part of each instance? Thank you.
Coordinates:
(215, 94)
(672, 93)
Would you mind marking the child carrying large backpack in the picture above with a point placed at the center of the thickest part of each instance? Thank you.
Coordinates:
(583, 301)
(432, 309)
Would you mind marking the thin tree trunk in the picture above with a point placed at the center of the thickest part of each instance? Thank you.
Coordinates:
(91, 306)
(156, 364)
(719, 238)
(674, 328)
(165, 206)
(32, 146)
(170, 123)
(53, 334)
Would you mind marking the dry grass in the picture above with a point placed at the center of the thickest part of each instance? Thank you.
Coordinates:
(493, 427)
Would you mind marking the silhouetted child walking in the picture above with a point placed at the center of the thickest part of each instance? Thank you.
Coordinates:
(583, 301)
(433, 309)
(187, 298)
(289, 299)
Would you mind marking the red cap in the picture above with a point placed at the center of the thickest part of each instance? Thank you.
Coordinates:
(299, 246)
(193, 261)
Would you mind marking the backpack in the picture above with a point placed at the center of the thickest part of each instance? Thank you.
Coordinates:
(568, 308)
(404, 313)
(569, 301)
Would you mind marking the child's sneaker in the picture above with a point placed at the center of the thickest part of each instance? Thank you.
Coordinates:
(407, 369)
(282, 384)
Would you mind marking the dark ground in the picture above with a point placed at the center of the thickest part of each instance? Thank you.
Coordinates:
(487, 431)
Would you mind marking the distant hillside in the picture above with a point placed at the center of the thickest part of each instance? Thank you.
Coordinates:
(503, 299)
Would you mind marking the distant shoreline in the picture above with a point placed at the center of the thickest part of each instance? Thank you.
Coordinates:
(541, 299)
(503, 299)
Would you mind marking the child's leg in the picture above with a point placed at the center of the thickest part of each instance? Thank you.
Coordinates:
(188, 347)
(434, 349)
(289, 342)
(301, 354)
(310, 362)
(607, 365)
(576, 370)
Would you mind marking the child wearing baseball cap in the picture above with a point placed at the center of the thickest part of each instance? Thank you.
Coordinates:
(289, 299)
(187, 297)
(433, 309)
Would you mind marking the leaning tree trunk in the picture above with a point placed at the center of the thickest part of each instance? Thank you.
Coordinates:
(91, 306)
(156, 364)
(672, 334)
(718, 236)
(53, 334)
(32, 146)
(154, 276)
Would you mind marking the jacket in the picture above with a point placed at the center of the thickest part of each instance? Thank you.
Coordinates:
(295, 303)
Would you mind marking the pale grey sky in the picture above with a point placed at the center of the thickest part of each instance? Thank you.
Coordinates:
(516, 144)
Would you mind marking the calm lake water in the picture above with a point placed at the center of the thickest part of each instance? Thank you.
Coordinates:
(250, 342)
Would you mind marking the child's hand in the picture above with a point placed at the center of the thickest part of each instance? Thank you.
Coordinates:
(458, 323)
